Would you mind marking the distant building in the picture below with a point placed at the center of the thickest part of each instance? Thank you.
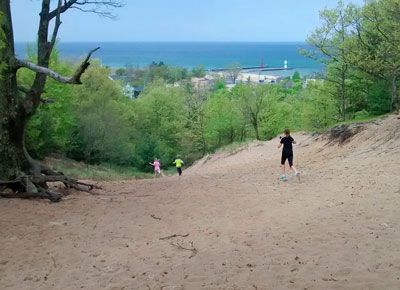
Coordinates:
(306, 82)
(131, 91)
(280, 79)
(174, 85)
(137, 91)
(205, 83)
(128, 91)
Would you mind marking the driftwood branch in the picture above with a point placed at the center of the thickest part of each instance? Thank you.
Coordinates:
(75, 79)
(36, 184)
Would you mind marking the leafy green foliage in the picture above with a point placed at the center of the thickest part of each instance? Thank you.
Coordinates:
(102, 112)
(198, 71)
(360, 47)
(374, 49)
(224, 123)
(160, 122)
(319, 108)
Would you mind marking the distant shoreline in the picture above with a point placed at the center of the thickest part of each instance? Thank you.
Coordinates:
(189, 55)
(244, 42)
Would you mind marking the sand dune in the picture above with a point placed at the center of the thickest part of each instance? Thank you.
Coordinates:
(236, 225)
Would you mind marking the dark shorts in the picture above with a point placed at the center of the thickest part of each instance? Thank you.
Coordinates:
(179, 170)
(289, 157)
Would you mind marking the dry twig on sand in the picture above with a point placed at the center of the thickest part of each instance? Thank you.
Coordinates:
(180, 247)
(155, 217)
(174, 236)
(54, 262)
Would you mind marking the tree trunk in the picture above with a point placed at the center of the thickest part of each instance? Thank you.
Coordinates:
(11, 109)
(11, 150)
(395, 103)
(203, 139)
(242, 134)
(343, 107)
(18, 171)
(255, 125)
(13, 159)
(231, 134)
(254, 121)
(343, 91)
(16, 167)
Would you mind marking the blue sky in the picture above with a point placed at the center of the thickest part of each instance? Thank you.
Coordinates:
(183, 20)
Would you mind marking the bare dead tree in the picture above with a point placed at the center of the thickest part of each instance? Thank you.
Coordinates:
(20, 175)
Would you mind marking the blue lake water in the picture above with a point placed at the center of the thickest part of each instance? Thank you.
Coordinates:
(191, 54)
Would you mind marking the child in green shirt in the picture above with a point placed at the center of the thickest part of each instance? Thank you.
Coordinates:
(178, 163)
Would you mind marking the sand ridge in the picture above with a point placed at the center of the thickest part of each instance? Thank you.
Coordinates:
(337, 229)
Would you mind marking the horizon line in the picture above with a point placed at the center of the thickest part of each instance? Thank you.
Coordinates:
(170, 41)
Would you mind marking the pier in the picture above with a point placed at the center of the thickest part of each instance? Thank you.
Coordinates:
(253, 68)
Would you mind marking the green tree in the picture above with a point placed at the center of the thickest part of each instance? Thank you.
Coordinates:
(375, 47)
(296, 77)
(274, 116)
(160, 121)
(198, 71)
(121, 72)
(329, 48)
(251, 101)
(223, 119)
(195, 103)
(18, 170)
(103, 132)
(318, 107)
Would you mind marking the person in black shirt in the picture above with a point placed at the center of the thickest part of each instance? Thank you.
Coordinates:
(287, 153)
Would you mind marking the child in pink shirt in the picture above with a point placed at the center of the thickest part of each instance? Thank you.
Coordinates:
(157, 167)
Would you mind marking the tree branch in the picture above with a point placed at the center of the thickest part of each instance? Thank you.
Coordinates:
(75, 79)
(23, 89)
(56, 25)
(45, 101)
(97, 7)
(62, 9)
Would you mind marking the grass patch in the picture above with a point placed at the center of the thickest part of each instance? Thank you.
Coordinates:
(103, 172)
(355, 120)
(106, 172)
(361, 119)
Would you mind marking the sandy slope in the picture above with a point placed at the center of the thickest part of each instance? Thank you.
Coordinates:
(337, 229)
